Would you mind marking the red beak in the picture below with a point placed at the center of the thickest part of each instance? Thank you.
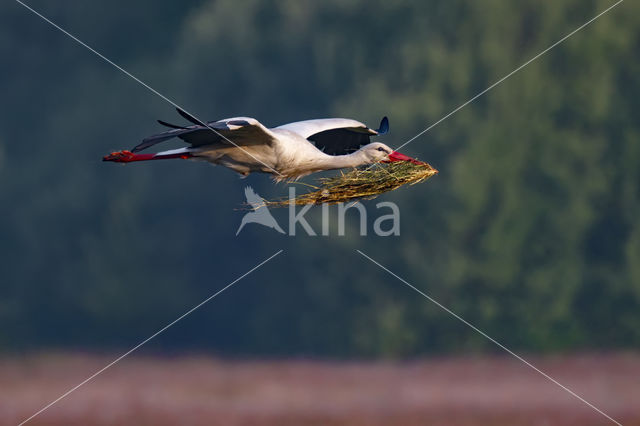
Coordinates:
(396, 156)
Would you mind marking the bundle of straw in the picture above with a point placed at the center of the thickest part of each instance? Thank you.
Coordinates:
(366, 182)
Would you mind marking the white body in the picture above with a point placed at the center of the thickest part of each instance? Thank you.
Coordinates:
(290, 151)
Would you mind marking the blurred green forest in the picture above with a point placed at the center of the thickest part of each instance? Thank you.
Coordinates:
(530, 231)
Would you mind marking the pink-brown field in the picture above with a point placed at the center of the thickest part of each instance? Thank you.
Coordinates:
(206, 391)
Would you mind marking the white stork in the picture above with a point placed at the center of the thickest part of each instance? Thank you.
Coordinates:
(289, 151)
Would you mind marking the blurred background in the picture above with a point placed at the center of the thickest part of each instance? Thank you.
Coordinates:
(530, 231)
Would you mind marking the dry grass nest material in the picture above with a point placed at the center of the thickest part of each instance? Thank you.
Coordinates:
(365, 182)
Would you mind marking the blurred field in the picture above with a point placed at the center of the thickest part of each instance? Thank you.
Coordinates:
(200, 390)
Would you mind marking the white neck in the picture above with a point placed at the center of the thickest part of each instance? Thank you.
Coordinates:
(328, 162)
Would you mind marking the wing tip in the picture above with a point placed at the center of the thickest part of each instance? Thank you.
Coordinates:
(384, 126)
(171, 126)
(189, 117)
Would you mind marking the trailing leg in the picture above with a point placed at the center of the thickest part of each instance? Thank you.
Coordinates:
(128, 156)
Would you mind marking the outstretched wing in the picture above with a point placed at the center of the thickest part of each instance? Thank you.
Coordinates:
(336, 136)
(232, 131)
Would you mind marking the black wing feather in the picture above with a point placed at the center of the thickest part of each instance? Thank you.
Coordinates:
(339, 141)
(190, 117)
(194, 135)
(384, 126)
(173, 126)
(197, 135)
(347, 139)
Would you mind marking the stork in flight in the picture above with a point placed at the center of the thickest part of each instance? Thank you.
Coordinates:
(289, 151)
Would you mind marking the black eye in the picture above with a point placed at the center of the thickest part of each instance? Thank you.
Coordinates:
(381, 149)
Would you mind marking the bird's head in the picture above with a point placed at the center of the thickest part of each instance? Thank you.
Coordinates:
(379, 152)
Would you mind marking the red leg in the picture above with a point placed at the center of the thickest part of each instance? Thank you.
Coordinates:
(128, 156)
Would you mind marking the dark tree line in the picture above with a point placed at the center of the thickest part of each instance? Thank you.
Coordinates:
(530, 231)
